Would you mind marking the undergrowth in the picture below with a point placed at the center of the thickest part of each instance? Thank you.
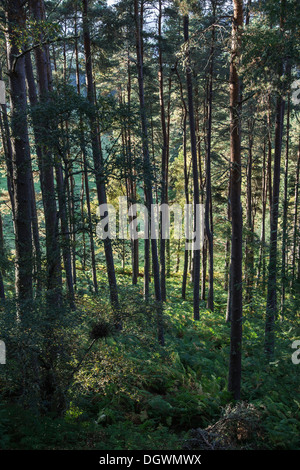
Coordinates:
(121, 390)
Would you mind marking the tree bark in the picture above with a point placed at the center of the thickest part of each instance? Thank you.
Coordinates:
(249, 259)
(164, 163)
(85, 171)
(261, 261)
(271, 310)
(234, 381)
(208, 202)
(285, 211)
(296, 224)
(2, 290)
(132, 180)
(272, 278)
(21, 163)
(147, 168)
(98, 164)
(196, 251)
(42, 129)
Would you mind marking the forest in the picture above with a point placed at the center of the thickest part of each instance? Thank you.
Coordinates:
(149, 225)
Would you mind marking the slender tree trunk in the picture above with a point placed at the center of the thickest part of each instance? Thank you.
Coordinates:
(71, 242)
(68, 229)
(98, 164)
(43, 130)
(187, 200)
(147, 168)
(272, 279)
(2, 290)
(261, 261)
(285, 211)
(163, 158)
(132, 181)
(89, 214)
(186, 182)
(226, 269)
(204, 255)
(21, 162)
(269, 153)
(168, 244)
(7, 146)
(227, 244)
(196, 251)
(35, 229)
(54, 281)
(234, 381)
(85, 171)
(204, 269)
(271, 310)
(82, 201)
(208, 202)
(65, 233)
(178, 257)
(228, 263)
(296, 223)
(36, 240)
(249, 255)
(249, 238)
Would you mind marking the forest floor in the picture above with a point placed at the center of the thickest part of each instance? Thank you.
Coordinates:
(130, 393)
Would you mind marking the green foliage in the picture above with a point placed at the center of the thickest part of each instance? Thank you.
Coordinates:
(34, 33)
(4, 437)
(71, 380)
(129, 393)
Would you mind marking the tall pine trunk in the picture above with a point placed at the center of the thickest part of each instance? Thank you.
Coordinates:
(42, 129)
(132, 179)
(164, 163)
(2, 290)
(21, 163)
(186, 182)
(85, 171)
(208, 202)
(271, 310)
(261, 268)
(296, 223)
(272, 277)
(98, 163)
(147, 169)
(285, 212)
(249, 256)
(234, 380)
(196, 251)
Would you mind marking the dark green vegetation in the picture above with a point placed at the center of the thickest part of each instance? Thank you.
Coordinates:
(130, 393)
(145, 344)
